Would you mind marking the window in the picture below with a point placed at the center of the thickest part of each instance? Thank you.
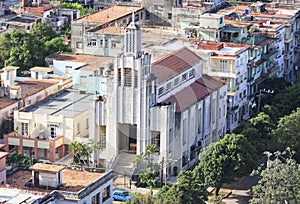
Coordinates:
(119, 77)
(92, 43)
(83, 79)
(199, 121)
(24, 128)
(95, 73)
(68, 69)
(53, 130)
(184, 129)
(192, 73)
(160, 91)
(170, 139)
(135, 79)
(176, 81)
(127, 77)
(105, 193)
(169, 85)
(78, 128)
(96, 199)
(7, 75)
(213, 110)
(106, 43)
(79, 45)
(223, 65)
(101, 43)
(113, 45)
(184, 76)
(87, 123)
(102, 136)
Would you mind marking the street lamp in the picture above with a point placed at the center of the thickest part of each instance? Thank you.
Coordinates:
(269, 91)
(269, 154)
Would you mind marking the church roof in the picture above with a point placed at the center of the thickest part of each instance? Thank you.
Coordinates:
(174, 63)
(194, 93)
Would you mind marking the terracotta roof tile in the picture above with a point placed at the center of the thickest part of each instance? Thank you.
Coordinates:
(196, 92)
(174, 64)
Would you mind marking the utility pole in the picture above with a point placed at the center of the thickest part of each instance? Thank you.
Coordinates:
(162, 171)
(260, 95)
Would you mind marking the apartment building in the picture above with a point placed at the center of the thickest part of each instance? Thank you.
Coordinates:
(273, 12)
(19, 92)
(45, 129)
(89, 35)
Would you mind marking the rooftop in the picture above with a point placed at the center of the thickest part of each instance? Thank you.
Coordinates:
(109, 14)
(17, 196)
(271, 12)
(66, 103)
(92, 62)
(174, 63)
(45, 69)
(72, 180)
(29, 87)
(47, 167)
(197, 91)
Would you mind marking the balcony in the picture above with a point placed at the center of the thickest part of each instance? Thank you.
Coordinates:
(297, 47)
(270, 55)
(36, 144)
(297, 33)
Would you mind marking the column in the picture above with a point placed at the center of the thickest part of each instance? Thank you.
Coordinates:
(36, 151)
(52, 150)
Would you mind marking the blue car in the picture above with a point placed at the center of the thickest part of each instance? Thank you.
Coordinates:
(120, 195)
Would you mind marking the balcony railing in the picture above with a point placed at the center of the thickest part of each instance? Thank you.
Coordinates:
(270, 55)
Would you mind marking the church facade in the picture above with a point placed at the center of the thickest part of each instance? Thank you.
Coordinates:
(169, 103)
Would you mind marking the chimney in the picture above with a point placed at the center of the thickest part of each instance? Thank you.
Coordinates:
(15, 92)
(10, 74)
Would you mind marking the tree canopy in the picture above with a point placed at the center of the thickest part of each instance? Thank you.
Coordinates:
(280, 180)
(29, 49)
(83, 11)
(221, 161)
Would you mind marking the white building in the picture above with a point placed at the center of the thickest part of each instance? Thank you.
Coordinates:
(169, 103)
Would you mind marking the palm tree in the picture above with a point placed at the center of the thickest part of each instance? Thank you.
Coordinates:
(150, 150)
(138, 161)
(77, 149)
(94, 148)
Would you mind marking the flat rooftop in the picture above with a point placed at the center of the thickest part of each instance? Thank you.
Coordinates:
(72, 180)
(109, 14)
(66, 103)
(18, 196)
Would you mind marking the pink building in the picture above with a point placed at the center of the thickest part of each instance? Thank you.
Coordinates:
(3, 165)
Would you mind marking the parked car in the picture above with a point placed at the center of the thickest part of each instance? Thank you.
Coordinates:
(120, 195)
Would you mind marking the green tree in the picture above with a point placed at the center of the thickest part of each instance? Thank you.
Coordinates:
(148, 177)
(43, 32)
(80, 152)
(77, 6)
(229, 157)
(280, 181)
(287, 133)
(189, 189)
(284, 103)
(56, 44)
(29, 49)
(259, 131)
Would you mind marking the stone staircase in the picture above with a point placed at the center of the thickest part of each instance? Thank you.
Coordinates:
(124, 163)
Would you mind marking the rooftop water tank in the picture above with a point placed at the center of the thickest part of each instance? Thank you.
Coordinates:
(246, 11)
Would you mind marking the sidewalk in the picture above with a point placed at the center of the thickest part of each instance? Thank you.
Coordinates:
(119, 184)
